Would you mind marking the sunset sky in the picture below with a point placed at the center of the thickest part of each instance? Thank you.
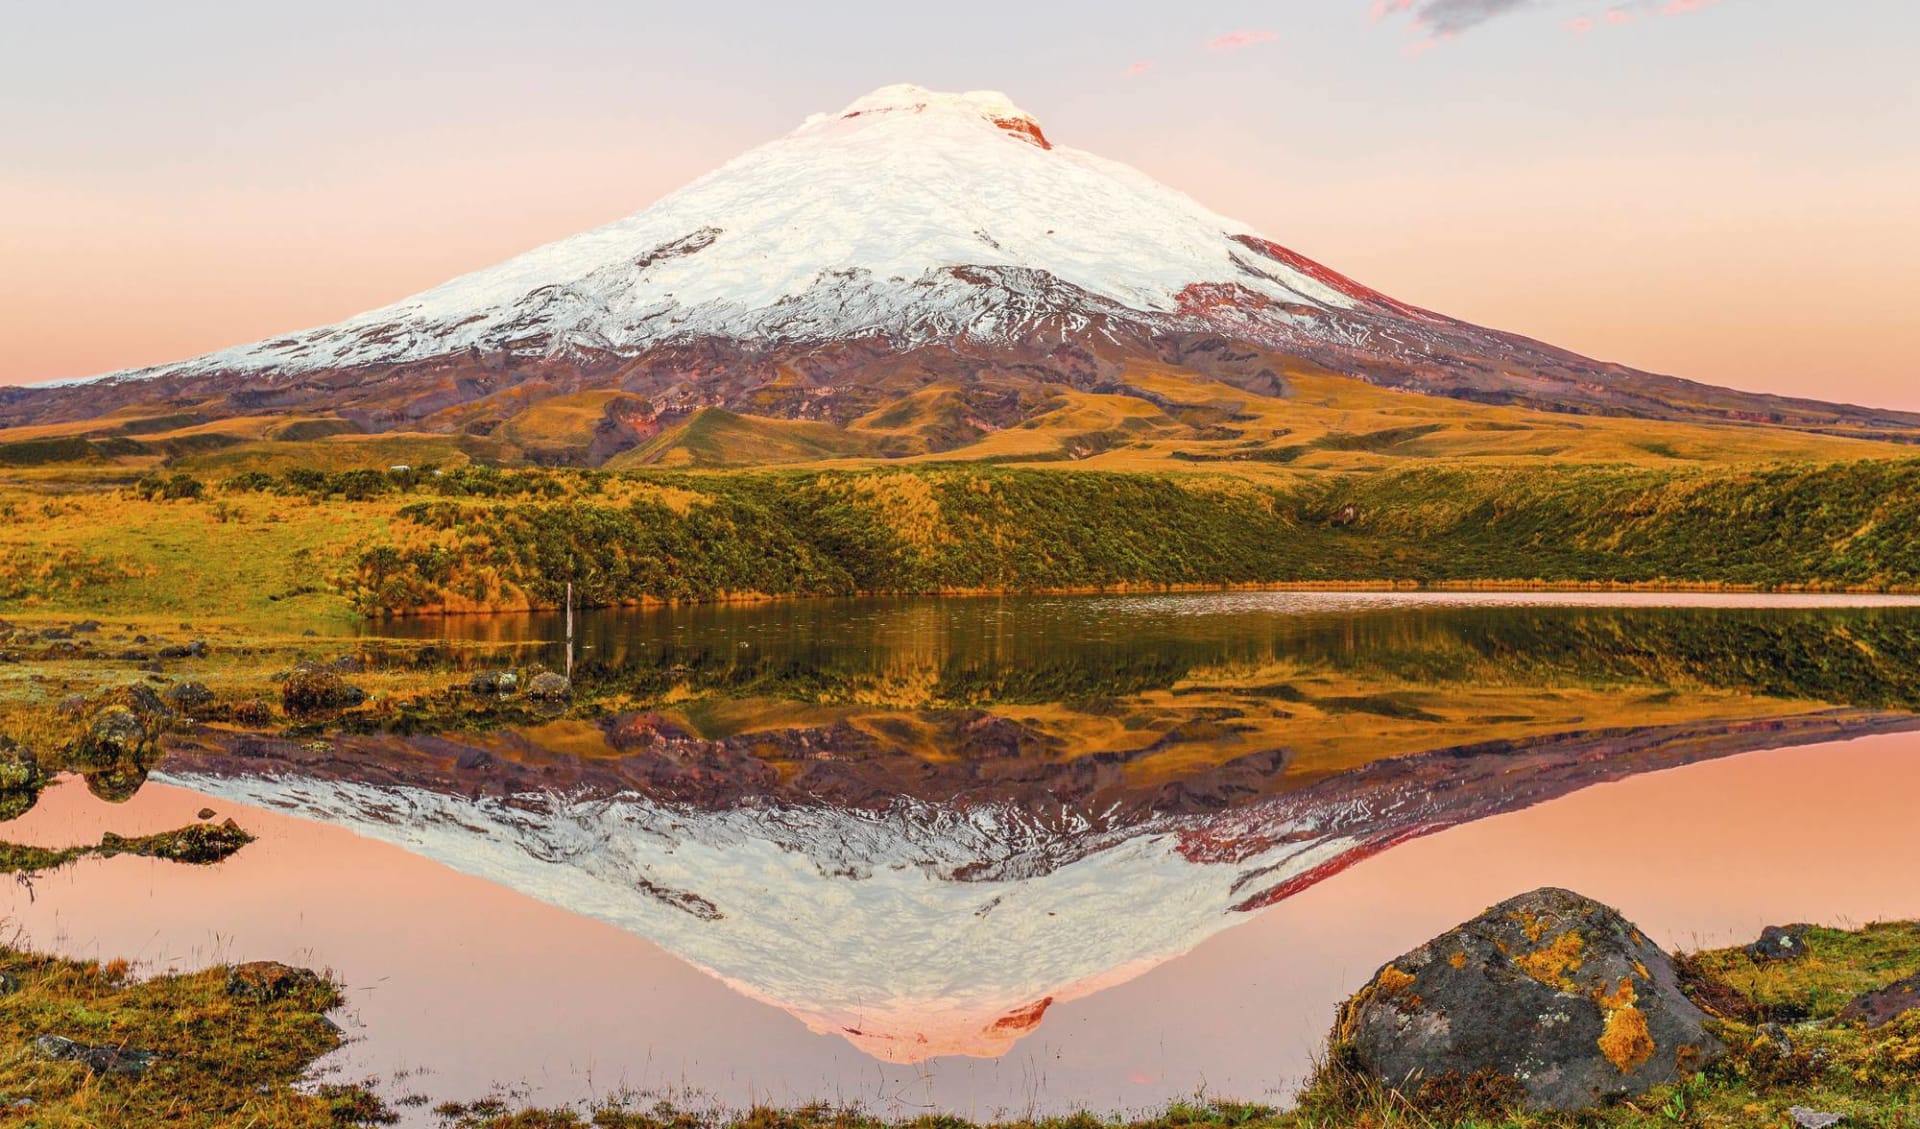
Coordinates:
(1721, 190)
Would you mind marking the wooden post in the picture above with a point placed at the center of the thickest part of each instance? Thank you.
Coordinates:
(569, 630)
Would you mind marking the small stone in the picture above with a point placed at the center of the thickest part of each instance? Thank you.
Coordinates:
(9, 983)
(498, 683)
(1814, 1119)
(188, 698)
(206, 813)
(1780, 942)
(99, 1060)
(549, 687)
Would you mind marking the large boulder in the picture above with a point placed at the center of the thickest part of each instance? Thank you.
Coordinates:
(1550, 990)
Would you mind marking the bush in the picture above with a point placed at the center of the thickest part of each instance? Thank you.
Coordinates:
(173, 487)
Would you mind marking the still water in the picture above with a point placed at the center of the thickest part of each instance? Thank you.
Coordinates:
(1005, 855)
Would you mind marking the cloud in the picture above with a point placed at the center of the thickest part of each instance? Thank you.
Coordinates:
(1241, 39)
(1451, 17)
(1138, 69)
(1438, 20)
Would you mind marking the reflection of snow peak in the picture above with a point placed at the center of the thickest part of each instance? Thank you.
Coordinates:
(927, 928)
(853, 921)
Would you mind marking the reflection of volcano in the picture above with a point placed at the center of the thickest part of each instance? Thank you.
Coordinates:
(911, 922)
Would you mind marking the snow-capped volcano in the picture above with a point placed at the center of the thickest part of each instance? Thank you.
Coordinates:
(911, 215)
(912, 238)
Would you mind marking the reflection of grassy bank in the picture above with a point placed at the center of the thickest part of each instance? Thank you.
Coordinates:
(225, 1061)
(1333, 692)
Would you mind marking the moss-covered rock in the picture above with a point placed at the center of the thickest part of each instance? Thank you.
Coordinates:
(1551, 990)
(310, 689)
(120, 726)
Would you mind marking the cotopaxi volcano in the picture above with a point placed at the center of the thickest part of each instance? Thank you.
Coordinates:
(914, 241)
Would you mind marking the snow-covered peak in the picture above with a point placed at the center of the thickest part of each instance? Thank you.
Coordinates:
(911, 216)
(982, 107)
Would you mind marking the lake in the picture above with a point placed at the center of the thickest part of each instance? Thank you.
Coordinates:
(1007, 855)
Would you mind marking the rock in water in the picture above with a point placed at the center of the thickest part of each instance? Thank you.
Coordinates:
(1550, 989)
(498, 683)
(312, 689)
(549, 687)
(264, 981)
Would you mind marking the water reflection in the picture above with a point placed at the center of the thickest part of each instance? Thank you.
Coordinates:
(922, 825)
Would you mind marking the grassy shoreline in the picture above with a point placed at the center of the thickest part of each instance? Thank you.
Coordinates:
(313, 550)
(231, 1052)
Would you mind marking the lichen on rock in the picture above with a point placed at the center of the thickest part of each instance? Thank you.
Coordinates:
(1552, 990)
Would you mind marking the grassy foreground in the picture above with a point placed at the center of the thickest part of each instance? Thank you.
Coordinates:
(233, 1060)
(315, 550)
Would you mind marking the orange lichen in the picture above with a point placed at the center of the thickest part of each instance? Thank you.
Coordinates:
(1458, 960)
(1389, 982)
(1622, 997)
(1626, 1041)
(1530, 923)
(1552, 964)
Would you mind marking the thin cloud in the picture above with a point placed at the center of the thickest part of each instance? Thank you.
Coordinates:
(1241, 39)
(1438, 20)
(1138, 69)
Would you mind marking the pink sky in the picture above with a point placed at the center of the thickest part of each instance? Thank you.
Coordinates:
(1721, 191)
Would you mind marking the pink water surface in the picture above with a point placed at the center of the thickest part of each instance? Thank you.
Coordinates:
(473, 985)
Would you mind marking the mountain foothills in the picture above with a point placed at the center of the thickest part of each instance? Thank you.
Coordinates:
(920, 274)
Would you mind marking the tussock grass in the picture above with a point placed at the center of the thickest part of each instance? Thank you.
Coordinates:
(222, 1060)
